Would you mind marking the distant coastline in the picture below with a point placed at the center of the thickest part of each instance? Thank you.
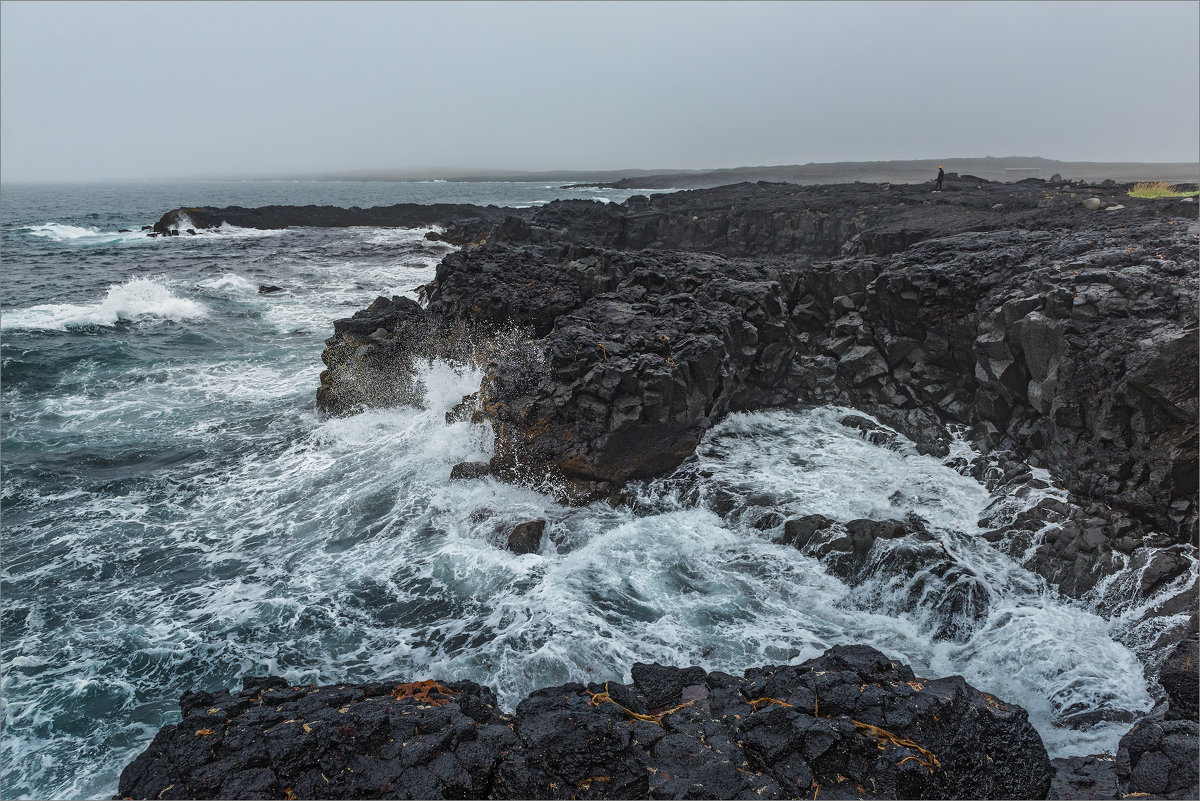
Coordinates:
(1006, 168)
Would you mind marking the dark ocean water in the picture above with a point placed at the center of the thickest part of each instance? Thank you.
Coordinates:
(176, 515)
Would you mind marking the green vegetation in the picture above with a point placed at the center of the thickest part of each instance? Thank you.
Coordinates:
(1155, 189)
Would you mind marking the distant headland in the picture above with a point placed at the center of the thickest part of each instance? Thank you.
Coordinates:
(1005, 168)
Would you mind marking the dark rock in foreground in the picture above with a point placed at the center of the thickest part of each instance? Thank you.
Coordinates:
(849, 724)
(1159, 759)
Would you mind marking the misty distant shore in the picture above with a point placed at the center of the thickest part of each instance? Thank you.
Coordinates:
(1008, 168)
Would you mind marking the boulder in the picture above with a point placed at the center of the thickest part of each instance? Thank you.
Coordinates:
(1180, 677)
(1160, 759)
(526, 537)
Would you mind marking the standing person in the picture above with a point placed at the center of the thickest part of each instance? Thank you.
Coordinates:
(937, 186)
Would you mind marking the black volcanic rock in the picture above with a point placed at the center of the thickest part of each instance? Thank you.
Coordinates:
(850, 723)
(400, 215)
(1065, 337)
(1160, 759)
(465, 471)
(1088, 777)
(1180, 677)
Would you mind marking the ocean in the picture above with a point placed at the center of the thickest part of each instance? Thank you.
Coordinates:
(178, 515)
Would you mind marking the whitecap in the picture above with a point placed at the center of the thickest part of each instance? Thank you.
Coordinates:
(229, 284)
(136, 299)
(74, 234)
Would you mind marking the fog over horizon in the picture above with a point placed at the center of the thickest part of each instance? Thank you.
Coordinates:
(146, 91)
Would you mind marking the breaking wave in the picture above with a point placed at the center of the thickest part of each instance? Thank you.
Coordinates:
(74, 234)
(138, 299)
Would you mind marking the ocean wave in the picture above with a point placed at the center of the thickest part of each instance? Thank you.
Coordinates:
(136, 299)
(224, 230)
(401, 236)
(61, 232)
(229, 284)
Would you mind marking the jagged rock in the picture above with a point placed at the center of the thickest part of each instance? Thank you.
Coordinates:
(931, 579)
(1180, 677)
(268, 289)
(465, 471)
(850, 723)
(466, 409)
(526, 537)
(348, 741)
(1160, 759)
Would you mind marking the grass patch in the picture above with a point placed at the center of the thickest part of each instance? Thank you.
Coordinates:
(1155, 189)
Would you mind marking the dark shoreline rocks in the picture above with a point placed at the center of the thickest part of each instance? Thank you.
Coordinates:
(1067, 337)
(848, 724)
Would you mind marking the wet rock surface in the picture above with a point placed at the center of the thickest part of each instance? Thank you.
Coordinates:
(850, 723)
(1084, 778)
(526, 537)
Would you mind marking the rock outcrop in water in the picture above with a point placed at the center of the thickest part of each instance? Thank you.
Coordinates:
(400, 215)
(849, 724)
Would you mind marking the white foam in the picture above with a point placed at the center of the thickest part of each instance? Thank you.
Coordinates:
(401, 236)
(74, 234)
(135, 300)
(228, 285)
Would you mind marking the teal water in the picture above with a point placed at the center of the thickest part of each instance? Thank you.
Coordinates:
(177, 515)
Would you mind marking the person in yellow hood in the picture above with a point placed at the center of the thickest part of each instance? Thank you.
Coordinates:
(937, 186)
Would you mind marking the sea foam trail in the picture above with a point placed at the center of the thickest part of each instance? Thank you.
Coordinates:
(135, 300)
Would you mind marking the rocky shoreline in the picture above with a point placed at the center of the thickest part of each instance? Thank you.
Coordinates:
(1052, 325)
(848, 724)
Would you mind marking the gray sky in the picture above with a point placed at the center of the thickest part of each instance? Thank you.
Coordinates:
(99, 91)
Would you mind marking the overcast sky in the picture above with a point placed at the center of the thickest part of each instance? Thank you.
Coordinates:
(141, 90)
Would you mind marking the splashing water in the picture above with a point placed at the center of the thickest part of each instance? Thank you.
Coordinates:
(136, 299)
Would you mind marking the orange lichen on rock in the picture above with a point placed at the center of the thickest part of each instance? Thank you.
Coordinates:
(755, 702)
(596, 699)
(927, 758)
(419, 691)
